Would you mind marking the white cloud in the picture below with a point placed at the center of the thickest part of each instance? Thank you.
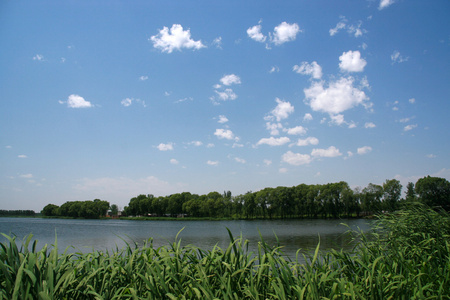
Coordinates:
(313, 69)
(339, 26)
(267, 162)
(22, 156)
(218, 42)
(339, 96)
(222, 119)
(143, 78)
(431, 155)
(173, 161)
(282, 110)
(230, 79)
(274, 128)
(412, 100)
(354, 30)
(396, 57)
(337, 120)
(296, 159)
(38, 57)
(76, 101)
(308, 117)
(255, 34)
(196, 143)
(330, 152)
(224, 134)
(184, 99)
(126, 102)
(165, 147)
(404, 120)
(308, 141)
(298, 130)
(351, 61)
(273, 141)
(385, 3)
(364, 150)
(240, 160)
(210, 145)
(410, 127)
(227, 94)
(212, 163)
(369, 125)
(284, 33)
(175, 39)
(274, 69)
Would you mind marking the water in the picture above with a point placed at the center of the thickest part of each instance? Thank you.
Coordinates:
(85, 235)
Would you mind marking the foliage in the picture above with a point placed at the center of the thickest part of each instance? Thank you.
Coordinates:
(78, 209)
(434, 191)
(407, 257)
(16, 213)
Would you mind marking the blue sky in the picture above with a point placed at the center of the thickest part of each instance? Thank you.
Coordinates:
(111, 99)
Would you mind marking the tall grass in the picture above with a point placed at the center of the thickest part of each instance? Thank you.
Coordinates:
(407, 257)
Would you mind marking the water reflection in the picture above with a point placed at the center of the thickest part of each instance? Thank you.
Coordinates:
(85, 235)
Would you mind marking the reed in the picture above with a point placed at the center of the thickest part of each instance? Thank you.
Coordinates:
(405, 257)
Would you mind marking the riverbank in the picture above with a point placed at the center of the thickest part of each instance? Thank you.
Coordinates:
(406, 257)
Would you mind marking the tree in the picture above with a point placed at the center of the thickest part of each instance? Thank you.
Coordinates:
(392, 190)
(50, 210)
(114, 210)
(434, 191)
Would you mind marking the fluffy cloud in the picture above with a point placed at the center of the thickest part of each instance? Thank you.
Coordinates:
(339, 96)
(196, 143)
(308, 117)
(351, 61)
(27, 176)
(308, 141)
(255, 34)
(284, 33)
(412, 100)
(224, 134)
(369, 125)
(175, 38)
(330, 152)
(313, 69)
(230, 79)
(165, 147)
(282, 110)
(298, 130)
(296, 159)
(364, 150)
(143, 78)
(22, 156)
(222, 119)
(173, 161)
(128, 101)
(75, 101)
(274, 128)
(273, 141)
(396, 57)
(227, 94)
(385, 3)
(212, 163)
(267, 162)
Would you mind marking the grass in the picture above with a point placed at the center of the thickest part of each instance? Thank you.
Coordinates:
(406, 257)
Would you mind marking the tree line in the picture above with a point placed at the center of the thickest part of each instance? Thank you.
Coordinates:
(332, 200)
(15, 213)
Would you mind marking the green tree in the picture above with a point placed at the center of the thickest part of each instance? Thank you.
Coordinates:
(114, 210)
(434, 191)
(410, 192)
(392, 191)
(50, 210)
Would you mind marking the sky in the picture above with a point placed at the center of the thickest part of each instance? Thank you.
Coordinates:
(112, 99)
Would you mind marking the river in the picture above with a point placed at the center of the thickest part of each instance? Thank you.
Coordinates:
(85, 235)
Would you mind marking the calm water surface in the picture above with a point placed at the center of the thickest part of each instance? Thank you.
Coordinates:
(85, 235)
